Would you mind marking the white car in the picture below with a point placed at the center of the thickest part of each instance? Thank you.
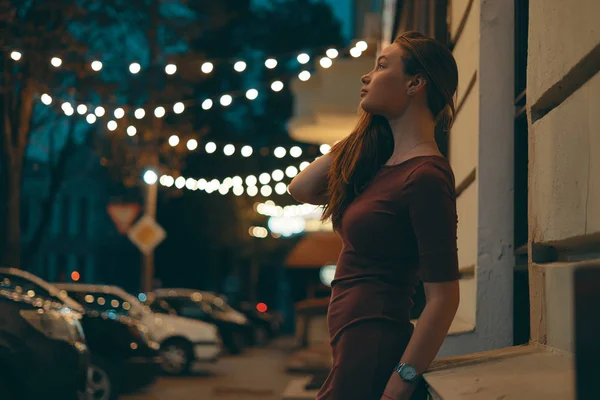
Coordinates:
(183, 341)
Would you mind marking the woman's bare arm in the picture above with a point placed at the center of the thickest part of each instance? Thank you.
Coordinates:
(310, 185)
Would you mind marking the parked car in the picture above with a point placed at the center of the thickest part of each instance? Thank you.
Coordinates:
(122, 358)
(267, 325)
(42, 345)
(233, 326)
(183, 341)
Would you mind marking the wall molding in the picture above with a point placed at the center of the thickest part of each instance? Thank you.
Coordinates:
(461, 25)
(468, 91)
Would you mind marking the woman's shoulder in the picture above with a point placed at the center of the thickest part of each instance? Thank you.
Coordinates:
(431, 172)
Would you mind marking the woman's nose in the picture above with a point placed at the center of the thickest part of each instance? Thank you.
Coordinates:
(365, 79)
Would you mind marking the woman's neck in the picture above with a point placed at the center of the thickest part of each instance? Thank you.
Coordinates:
(414, 134)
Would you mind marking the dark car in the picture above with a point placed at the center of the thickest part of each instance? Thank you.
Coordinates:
(123, 358)
(267, 325)
(43, 354)
(233, 326)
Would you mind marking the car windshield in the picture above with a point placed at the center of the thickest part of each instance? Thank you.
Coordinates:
(104, 302)
(23, 285)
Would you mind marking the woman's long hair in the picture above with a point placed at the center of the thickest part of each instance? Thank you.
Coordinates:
(358, 157)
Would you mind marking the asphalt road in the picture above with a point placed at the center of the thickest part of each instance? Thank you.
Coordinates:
(258, 374)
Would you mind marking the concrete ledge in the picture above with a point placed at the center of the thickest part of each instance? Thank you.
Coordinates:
(513, 373)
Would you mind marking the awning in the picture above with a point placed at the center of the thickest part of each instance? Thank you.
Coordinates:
(315, 250)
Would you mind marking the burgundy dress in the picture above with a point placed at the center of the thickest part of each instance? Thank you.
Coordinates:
(399, 230)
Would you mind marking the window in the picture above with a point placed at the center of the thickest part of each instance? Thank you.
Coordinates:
(25, 217)
(64, 216)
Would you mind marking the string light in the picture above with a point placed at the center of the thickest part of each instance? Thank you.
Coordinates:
(210, 147)
(251, 180)
(304, 76)
(362, 45)
(277, 86)
(46, 99)
(332, 53)
(99, 111)
(303, 58)
(201, 184)
(173, 140)
(180, 182)
(81, 109)
(355, 52)
(280, 188)
(192, 144)
(190, 184)
(134, 68)
(56, 62)
(226, 100)
(277, 175)
(178, 108)
(324, 148)
(159, 112)
(207, 67)
(15, 55)
(111, 125)
(170, 69)
(229, 149)
(237, 181)
(96, 66)
(238, 190)
(239, 66)
(326, 62)
(264, 178)
(68, 111)
(295, 151)
(131, 130)
(246, 151)
(266, 190)
(150, 177)
(207, 104)
(139, 113)
(252, 94)
(291, 171)
(119, 113)
(90, 118)
(251, 191)
(279, 152)
(271, 63)
(303, 165)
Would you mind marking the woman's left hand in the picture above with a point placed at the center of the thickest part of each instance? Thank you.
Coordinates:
(398, 389)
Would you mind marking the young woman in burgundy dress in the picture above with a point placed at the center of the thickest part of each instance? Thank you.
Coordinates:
(390, 195)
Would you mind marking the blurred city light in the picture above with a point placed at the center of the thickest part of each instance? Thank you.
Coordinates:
(170, 69)
(173, 140)
(139, 113)
(304, 76)
(119, 113)
(271, 63)
(252, 94)
(207, 104)
(246, 151)
(277, 175)
(81, 109)
(326, 62)
(56, 62)
(131, 130)
(279, 152)
(75, 276)
(362, 45)
(324, 148)
(332, 53)
(46, 99)
(96, 66)
(159, 112)
(327, 274)
(239, 66)
(99, 111)
(150, 177)
(134, 68)
(207, 67)
(210, 147)
(295, 152)
(226, 100)
(178, 107)
(15, 55)
(229, 149)
(261, 307)
(192, 144)
(277, 86)
(303, 58)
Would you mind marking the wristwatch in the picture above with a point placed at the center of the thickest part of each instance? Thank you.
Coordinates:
(407, 372)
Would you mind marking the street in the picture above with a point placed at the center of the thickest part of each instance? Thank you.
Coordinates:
(258, 373)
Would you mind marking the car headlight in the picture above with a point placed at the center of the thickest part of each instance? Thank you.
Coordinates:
(54, 324)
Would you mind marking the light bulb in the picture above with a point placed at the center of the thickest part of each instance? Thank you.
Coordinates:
(170, 69)
(56, 62)
(246, 151)
(68, 111)
(277, 86)
(229, 149)
(303, 165)
(81, 109)
(238, 190)
(271, 63)
(277, 175)
(150, 177)
(332, 53)
(139, 113)
(207, 67)
(303, 58)
(325, 62)
(295, 152)
(15, 55)
(131, 130)
(99, 111)
(111, 125)
(362, 45)
(180, 182)
(207, 104)
(226, 100)
(119, 113)
(46, 99)
(210, 147)
(252, 94)
(178, 108)
(96, 66)
(291, 171)
(159, 112)
(252, 191)
(264, 178)
(239, 66)
(280, 188)
(90, 118)
(251, 180)
(324, 148)
(192, 144)
(134, 68)
(355, 52)
(304, 76)
(279, 152)
(173, 140)
(266, 191)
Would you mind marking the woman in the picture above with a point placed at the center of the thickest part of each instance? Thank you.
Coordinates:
(390, 195)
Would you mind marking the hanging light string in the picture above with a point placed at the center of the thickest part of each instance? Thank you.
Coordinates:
(208, 66)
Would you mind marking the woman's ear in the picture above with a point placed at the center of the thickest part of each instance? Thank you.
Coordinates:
(417, 83)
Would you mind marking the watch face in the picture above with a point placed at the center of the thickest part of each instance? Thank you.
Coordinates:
(408, 372)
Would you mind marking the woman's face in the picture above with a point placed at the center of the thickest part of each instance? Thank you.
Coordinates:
(385, 88)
